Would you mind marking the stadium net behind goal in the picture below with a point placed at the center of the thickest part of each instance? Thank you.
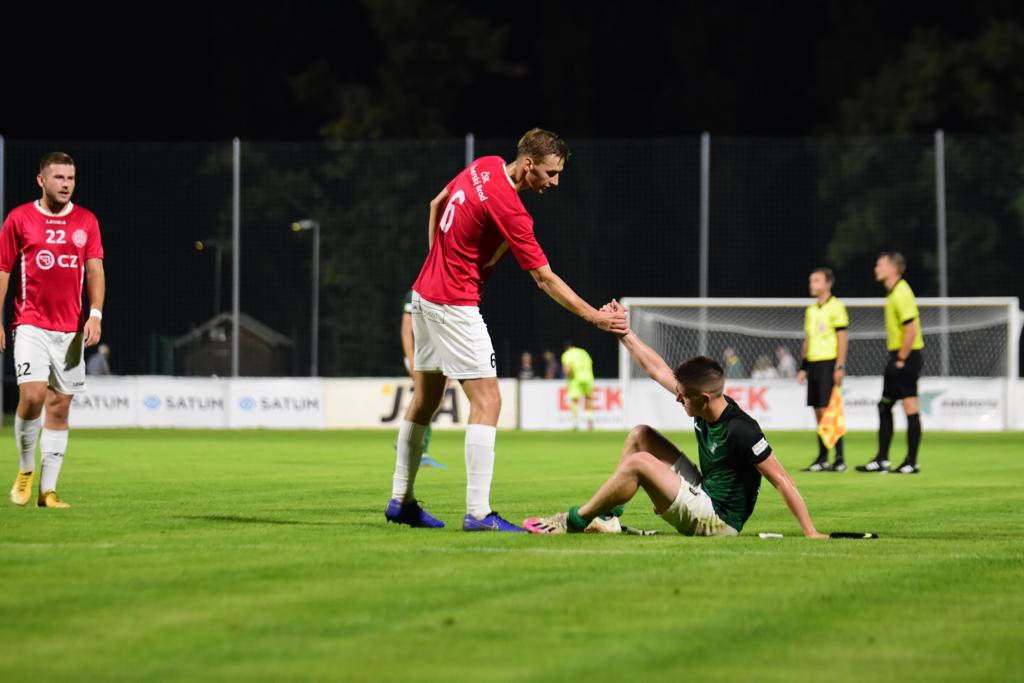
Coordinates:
(964, 337)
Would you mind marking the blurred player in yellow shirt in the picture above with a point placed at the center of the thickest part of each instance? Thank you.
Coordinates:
(578, 368)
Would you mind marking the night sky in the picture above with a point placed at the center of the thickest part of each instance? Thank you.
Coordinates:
(211, 71)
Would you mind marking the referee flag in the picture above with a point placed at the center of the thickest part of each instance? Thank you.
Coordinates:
(833, 420)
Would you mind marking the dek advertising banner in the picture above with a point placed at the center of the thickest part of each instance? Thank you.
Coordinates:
(544, 405)
(382, 402)
(946, 404)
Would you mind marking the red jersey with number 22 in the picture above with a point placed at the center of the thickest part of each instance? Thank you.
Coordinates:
(51, 252)
(482, 220)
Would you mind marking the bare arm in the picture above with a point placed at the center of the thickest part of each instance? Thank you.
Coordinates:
(435, 208)
(773, 471)
(801, 374)
(5, 278)
(843, 339)
(557, 289)
(909, 334)
(648, 359)
(408, 347)
(97, 285)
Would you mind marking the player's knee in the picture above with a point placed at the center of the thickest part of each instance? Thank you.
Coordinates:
(884, 407)
(636, 462)
(639, 435)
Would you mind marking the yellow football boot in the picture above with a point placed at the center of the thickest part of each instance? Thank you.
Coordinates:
(50, 500)
(21, 492)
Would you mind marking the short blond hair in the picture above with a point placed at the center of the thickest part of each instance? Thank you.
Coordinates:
(537, 143)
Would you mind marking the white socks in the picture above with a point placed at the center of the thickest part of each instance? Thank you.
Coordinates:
(407, 460)
(52, 444)
(26, 434)
(479, 468)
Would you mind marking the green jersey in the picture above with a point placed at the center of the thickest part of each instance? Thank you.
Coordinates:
(729, 450)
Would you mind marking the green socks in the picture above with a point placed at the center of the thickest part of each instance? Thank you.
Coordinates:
(576, 523)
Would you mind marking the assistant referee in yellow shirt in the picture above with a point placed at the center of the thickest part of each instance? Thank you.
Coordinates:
(905, 341)
(824, 357)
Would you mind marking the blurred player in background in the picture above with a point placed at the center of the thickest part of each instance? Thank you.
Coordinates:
(715, 500)
(407, 351)
(824, 358)
(904, 341)
(578, 368)
(57, 246)
(474, 221)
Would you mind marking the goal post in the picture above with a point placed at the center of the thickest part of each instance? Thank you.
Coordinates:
(966, 338)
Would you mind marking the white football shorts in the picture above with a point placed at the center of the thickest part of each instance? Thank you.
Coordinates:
(452, 340)
(693, 514)
(52, 357)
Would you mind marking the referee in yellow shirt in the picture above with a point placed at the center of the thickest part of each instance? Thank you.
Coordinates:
(825, 343)
(905, 341)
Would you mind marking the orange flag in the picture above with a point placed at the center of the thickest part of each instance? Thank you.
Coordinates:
(833, 421)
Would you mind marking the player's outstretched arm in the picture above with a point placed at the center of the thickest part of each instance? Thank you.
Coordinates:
(646, 357)
(556, 288)
(774, 472)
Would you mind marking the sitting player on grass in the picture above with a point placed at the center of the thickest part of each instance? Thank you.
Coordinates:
(714, 501)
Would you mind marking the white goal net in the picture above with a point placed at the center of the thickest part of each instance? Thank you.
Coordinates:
(964, 337)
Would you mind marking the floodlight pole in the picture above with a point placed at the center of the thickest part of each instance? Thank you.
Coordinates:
(314, 321)
(940, 238)
(705, 236)
(236, 256)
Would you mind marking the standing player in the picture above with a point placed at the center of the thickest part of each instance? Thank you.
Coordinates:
(905, 341)
(734, 454)
(408, 344)
(57, 246)
(824, 364)
(578, 368)
(473, 223)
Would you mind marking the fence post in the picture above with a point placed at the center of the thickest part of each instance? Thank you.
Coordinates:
(236, 249)
(705, 236)
(940, 239)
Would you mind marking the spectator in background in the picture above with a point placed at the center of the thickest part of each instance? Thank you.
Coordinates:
(552, 370)
(786, 363)
(733, 366)
(526, 366)
(764, 369)
(99, 362)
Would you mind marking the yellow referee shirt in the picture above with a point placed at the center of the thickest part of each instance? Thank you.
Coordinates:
(900, 309)
(821, 322)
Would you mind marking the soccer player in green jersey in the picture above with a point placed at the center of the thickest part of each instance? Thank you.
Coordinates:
(825, 343)
(904, 341)
(715, 500)
(578, 368)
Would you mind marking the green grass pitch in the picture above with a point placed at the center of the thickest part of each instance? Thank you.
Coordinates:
(264, 556)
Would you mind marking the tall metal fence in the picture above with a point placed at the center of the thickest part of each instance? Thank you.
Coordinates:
(626, 220)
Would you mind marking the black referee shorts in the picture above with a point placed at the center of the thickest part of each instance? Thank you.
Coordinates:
(899, 383)
(819, 382)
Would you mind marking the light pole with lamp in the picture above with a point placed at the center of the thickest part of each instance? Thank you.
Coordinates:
(314, 322)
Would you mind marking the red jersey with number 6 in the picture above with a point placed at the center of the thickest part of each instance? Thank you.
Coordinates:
(483, 219)
(50, 252)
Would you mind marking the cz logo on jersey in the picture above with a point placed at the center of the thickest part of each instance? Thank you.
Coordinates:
(46, 260)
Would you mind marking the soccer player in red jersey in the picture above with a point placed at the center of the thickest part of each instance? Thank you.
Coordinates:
(57, 247)
(474, 221)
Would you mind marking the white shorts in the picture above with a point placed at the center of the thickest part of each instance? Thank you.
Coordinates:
(452, 340)
(693, 514)
(52, 357)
